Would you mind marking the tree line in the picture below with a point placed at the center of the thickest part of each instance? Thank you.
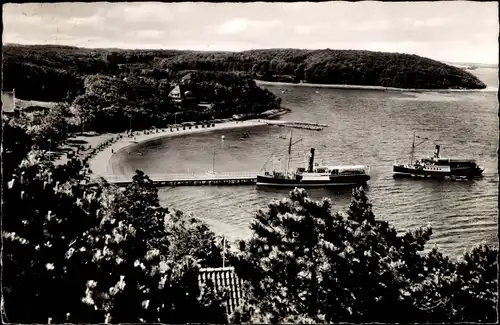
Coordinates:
(76, 250)
(54, 73)
(116, 91)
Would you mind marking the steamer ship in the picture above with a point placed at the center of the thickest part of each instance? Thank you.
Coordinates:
(314, 175)
(437, 167)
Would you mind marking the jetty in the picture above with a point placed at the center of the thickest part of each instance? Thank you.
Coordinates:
(191, 179)
(299, 125)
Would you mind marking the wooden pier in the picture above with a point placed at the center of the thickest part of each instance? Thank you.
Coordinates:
(192, 179)
(299, 125)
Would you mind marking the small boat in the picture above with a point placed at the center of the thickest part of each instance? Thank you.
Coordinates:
(456, 169)
(314, 175)
(245, 135)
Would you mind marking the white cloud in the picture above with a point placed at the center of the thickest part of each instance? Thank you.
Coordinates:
(150, 34)
(85, 21)
(460, 30)
(433, 22)
(240, 25)
(309, 28)
(372, 25)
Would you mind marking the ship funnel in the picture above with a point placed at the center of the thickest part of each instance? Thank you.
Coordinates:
(436, 151)
(311, 161)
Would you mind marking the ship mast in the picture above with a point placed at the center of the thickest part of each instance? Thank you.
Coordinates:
(412, 149)
(413, 146)
(272, 156)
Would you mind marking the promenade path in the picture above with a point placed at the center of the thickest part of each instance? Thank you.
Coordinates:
(100, 166)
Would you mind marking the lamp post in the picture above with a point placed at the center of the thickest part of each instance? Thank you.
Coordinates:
(212, 112)
(223, 251)
(50, 142)
(213, 163)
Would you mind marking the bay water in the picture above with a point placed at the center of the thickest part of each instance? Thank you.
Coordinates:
(369, 127)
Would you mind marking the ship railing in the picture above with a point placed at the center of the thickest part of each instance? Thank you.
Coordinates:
(354, 173)
(401, 163)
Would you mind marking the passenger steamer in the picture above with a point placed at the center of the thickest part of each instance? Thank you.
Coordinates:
(314, 175)
(437, 167)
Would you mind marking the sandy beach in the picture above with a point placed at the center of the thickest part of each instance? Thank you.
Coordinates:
(101, 167)
(381, 88)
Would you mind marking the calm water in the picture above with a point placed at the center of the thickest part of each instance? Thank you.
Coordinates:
(365, 127)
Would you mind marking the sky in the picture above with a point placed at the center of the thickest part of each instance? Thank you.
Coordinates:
(452, 31)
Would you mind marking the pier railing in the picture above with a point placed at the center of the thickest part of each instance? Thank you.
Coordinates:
(197, 176)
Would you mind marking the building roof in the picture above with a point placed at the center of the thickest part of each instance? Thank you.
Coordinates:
(175, 91)
(206, 105)
(186, 77)
(8, 101)
(224, 278)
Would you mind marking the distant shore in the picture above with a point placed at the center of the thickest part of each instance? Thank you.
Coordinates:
(359, 87)
(100, 163)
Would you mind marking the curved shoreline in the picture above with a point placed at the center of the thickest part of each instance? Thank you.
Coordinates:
(100, 163)
(380, 88)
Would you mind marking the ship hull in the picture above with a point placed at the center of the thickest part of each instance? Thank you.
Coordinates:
(330, 182)
(406, 171)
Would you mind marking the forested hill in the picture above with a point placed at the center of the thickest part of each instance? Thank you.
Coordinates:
(30, 67)
(350, 67)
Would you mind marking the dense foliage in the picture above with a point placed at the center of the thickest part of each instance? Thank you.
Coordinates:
(232, 93)
(76, 250)
(113, 91)
(114, 104)
(16, 143)
(55, 73)
(81, 251)
(306, 264)
(354, 67)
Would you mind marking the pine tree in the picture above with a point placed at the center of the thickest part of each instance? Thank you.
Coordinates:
(281, 260)
(369, 266)
(304, 263)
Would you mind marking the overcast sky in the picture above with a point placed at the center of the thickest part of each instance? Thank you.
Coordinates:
(457, 31)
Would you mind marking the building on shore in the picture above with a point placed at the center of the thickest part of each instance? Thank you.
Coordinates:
(183, 96)
(176, 94)
(181, 91)
(9, 102)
